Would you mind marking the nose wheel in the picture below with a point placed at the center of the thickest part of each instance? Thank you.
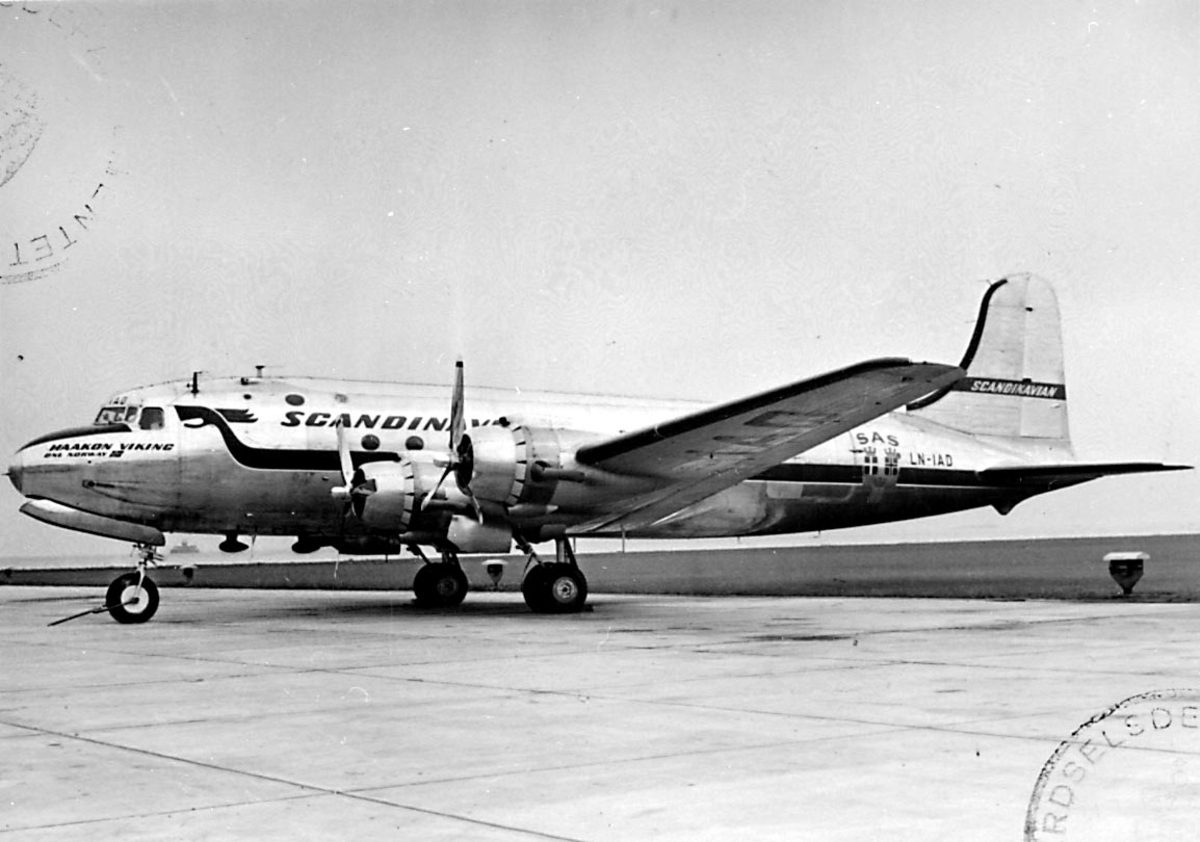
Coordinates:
(132, 598)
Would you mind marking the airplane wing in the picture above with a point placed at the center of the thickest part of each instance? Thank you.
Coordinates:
(1049, 477)
(699, 454)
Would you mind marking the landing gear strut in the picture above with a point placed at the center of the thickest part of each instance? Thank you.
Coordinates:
(554, 588)
(132, 597)
(440, 584)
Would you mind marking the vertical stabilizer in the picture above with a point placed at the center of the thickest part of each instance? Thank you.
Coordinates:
(1015, 385)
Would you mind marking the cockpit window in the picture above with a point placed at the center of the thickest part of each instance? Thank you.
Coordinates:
(152, 418)
(116, 415)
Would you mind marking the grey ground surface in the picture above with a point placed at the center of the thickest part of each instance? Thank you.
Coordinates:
(310, 715)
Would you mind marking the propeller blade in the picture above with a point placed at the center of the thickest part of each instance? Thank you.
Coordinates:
(474, 504)
(458, 422)
(344, 454)
(464, 464)
(436, 488)
(346, 489)
(460, 447)
(359, 492)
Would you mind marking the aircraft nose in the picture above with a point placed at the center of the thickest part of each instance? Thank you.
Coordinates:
(16, 470)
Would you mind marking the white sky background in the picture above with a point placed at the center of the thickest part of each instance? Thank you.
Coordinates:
(701, 200)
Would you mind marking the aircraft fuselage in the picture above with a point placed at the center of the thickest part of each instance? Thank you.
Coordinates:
(258, 456)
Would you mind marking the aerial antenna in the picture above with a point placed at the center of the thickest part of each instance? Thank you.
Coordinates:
(260, 371)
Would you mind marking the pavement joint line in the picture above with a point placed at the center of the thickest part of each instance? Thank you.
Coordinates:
(649, 758)
(881, 729)
(359, 795)
(161, 813)
(1023, 669)
(846, 664)
(894, 726)
(311, 789)
(899, 726)
(574, 696)
(361, 671)
(886, 727)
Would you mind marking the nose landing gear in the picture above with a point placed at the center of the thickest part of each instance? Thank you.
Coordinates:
(132, 597)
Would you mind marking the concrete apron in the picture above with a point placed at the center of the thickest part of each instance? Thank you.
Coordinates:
(307, 715)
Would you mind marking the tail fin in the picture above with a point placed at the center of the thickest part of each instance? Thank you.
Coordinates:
(1015, 386)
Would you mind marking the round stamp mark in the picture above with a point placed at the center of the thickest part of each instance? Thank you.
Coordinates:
(58, 142)
(1129, 772)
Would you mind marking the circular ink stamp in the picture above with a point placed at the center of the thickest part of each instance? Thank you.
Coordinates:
(1130, 772)
(58, 142)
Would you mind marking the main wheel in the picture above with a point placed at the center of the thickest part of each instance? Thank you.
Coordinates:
(127, 604)
(555, 589)
(535, 590)
(440, 585)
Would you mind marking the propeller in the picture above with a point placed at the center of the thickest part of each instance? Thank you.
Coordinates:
(354, 489)
(460, 456)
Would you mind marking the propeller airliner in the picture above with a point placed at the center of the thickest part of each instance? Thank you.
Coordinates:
(377, 468)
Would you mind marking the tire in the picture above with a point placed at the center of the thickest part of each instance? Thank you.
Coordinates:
(123, 589)
(555, 589)
(440, 585)
(535, 589)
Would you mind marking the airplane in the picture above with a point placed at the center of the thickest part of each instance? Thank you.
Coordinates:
(376, 468)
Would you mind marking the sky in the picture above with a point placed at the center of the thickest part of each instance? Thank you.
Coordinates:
(700, 200)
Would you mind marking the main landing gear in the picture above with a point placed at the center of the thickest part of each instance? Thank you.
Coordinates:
(554, 588)
(440, 584)
(557, 587)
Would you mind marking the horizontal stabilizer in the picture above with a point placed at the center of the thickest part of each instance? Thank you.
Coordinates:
(1060, 476)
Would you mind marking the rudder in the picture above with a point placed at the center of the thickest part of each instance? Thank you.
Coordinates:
(1015, 385)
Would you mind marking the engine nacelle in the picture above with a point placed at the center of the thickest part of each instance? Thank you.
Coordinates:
(386, 494)
(511, 465)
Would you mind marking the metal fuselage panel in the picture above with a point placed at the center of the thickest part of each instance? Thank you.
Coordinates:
(260, 457)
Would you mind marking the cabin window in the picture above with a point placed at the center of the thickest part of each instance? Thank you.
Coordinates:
(152, 418)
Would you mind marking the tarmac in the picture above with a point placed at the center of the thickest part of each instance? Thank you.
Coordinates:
(297, 715)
